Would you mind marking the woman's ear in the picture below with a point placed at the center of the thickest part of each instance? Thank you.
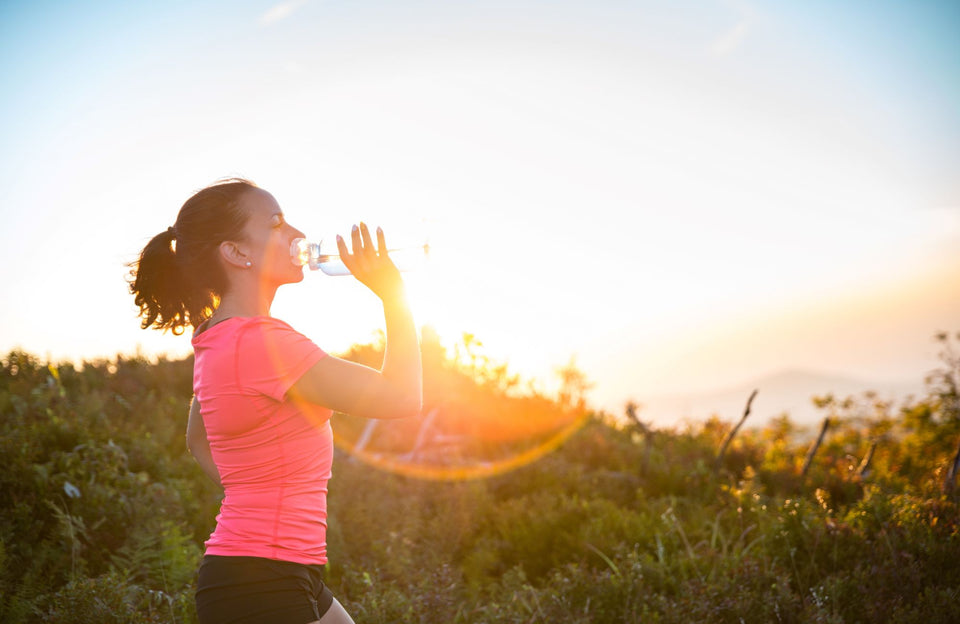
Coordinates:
(233, 255)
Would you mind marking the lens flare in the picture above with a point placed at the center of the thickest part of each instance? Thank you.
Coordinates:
(457, 466)
(475, 424)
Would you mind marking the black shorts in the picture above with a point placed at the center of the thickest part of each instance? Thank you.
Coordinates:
(252, 590)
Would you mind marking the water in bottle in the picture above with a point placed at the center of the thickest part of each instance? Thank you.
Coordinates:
(325, 256)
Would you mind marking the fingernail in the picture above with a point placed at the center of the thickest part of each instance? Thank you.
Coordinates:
(379, 230)
(339, 238)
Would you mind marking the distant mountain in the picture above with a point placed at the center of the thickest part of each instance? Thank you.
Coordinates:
(788, 391)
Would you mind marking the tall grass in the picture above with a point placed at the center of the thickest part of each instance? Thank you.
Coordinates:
(103, 514)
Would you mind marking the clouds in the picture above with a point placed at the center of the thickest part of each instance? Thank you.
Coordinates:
(733, 38)
(280, 11)
(723, 155)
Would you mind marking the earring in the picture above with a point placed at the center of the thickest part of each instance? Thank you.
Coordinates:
(249, 264)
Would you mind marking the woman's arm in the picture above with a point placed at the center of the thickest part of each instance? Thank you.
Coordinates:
(395, 391)
(392, 392)
(197, 443)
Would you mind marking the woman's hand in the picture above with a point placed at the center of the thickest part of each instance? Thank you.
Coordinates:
(396, 390)
(371, 265)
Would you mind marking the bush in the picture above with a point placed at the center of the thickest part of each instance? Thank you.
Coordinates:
(103, 514)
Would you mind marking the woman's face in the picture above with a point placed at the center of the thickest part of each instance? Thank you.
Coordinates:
(267, 239)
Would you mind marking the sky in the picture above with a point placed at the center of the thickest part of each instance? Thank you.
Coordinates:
(677, 196)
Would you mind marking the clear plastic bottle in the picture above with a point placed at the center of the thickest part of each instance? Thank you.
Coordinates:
(326, 257)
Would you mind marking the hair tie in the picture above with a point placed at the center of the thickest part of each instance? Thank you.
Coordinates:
(172, 232)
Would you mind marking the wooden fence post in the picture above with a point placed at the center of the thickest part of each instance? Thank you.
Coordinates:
(864, 467)
(729, 437)
(813, 449)
(631, 410)
(950, 480)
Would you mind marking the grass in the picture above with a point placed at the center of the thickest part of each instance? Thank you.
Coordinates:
(103, 514)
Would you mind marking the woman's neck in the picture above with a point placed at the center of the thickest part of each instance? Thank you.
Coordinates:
(242, 302)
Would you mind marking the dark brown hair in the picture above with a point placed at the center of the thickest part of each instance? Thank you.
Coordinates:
(178, 279)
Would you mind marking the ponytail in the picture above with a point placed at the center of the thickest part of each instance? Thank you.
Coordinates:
(178, 279)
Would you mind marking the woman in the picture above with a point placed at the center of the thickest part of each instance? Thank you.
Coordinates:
(264, 394)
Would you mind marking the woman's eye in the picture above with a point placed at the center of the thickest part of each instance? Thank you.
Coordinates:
(276, 221)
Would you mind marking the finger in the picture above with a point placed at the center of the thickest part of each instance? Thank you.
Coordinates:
(355, 240)
(369, 250)
(359, 255)
(381, 242)
(384, 251)
(345, 256)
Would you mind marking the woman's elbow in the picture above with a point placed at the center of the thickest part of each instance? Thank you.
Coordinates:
(409, 407)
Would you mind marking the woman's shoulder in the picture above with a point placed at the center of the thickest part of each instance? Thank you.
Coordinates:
(236, 326)
(267, 325)
(265, 332)
(270, 342)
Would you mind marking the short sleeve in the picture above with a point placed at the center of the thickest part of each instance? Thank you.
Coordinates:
(272, 356)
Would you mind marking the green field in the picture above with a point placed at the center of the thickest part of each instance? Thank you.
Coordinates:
(103, 513)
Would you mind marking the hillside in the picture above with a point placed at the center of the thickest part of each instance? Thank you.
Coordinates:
(103, 514)
(789, 391)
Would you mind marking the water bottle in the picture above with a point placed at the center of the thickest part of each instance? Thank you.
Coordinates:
(325, 256)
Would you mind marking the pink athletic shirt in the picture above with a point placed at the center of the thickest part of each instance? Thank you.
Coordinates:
(274, 456)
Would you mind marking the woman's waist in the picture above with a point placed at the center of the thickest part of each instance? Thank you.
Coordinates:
(270, 495)
(237, 472)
